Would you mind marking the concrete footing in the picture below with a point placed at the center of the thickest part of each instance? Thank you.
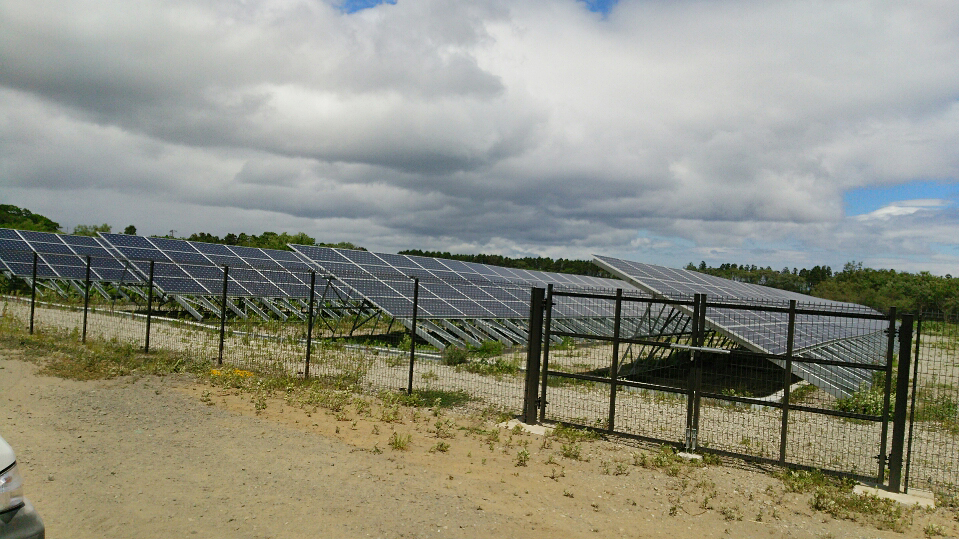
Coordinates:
(918, 497)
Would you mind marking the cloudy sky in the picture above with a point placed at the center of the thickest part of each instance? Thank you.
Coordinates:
(779, 133)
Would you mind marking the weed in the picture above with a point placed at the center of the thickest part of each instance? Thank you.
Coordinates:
(806, 481)
(454, 355)
(933, 530)
(567, 493)
(841, 502)
(522, 457)
(572, 451)
(444, 428)
(573, 434)
(400, 442)
(440, 446)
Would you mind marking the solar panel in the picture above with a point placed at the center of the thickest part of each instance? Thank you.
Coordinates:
(765, 331)
(59, 256)
(448, 288)
(194, 268)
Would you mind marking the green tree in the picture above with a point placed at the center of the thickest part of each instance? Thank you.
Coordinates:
(130, 230)
(90, 230)
(23, 219)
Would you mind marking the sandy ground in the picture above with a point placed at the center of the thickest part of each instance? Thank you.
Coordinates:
(167, 457)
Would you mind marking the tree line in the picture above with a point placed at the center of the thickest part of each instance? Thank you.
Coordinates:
(879, 289)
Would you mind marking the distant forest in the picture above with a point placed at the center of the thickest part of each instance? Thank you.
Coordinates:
(880, 289)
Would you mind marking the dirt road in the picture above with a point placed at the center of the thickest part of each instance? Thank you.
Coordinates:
(167, 457)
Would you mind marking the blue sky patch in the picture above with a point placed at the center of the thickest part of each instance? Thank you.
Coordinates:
(868, 199)
(352, 6)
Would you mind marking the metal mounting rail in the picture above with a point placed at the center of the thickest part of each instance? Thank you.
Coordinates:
(701, 348)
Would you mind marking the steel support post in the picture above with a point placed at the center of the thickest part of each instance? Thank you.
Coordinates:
(899, 416)
(614, 368)
(416, 300)
(146, 340)
(787, 381)
(86, 301)
(309, 325)
(533, 349)
(887, 392)
(33, 291)
(226, 274)
(547, 320)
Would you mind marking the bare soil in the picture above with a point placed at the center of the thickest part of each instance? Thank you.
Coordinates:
(145, 456)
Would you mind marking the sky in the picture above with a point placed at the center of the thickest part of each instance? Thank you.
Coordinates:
(774, 133)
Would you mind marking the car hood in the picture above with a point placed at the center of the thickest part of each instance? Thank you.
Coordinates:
(7, 457)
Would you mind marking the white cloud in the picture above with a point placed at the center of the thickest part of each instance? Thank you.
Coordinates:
(669, 131)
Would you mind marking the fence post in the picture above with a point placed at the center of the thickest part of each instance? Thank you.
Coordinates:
(691, 380)
(33, 290)
(86, 301)
(533, 349)
(887, 391)
(614, 368)
(912, 403)
(547, 319)
(226, 273)
(902, 393)
(416, 299)
(146, 341)
(787, 380)
(309, 324)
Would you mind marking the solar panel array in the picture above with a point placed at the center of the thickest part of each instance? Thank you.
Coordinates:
(60, 257)
(448, 289)
(194, 268)
(816, 336)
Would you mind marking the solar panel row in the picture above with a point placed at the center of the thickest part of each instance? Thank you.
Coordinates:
(815, 336)
(60, 256)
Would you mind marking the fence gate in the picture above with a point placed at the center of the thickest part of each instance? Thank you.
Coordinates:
(805, 385)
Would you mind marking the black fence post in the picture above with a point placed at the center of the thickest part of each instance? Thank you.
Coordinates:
(146, 340)
(33, 290)
(86, 301)
(787, 381)
(226, 273)
(533, 349)
(547, 319)
(416, 300)
(691, 395)
(887, 392)
(912, 403)
(309, 325)
(614, 368)
(902, 393)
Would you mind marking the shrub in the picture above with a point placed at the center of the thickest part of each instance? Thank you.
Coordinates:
(454, 355)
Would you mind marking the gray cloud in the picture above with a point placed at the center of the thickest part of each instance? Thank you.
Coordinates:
(666, 131)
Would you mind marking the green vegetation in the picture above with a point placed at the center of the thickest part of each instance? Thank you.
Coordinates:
(482, 359)
(61, 354)
(23, 219)
(267, 240)
(835, 496)
(91, 230)
(879, 289)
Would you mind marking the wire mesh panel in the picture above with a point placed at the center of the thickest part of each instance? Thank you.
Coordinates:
(934, 459)
(672, 370)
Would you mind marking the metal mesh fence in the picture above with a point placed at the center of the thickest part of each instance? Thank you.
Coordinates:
(469, 347)
(712, 373)
(934, 429)
(263, 323)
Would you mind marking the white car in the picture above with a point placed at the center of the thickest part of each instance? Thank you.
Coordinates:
(18, 519)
